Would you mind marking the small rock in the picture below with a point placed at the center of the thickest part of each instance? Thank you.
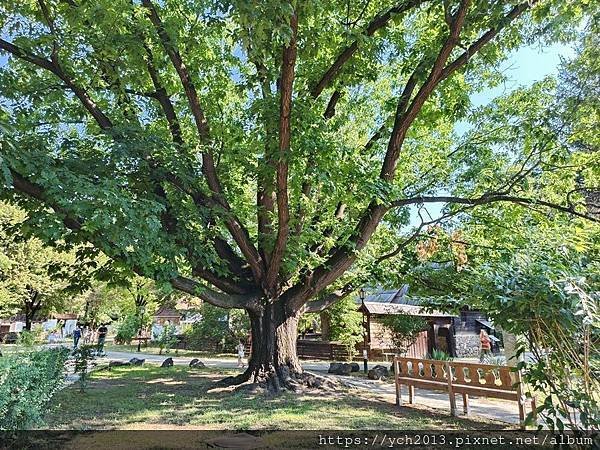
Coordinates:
(136, 361)
(333, 367)
(340, 368)
(355, 367)
(345, 369)
(167, 363)
(197, 364)
(378, 372)
(118, 364)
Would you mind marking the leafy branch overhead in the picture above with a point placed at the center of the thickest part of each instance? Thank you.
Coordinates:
(248, 153)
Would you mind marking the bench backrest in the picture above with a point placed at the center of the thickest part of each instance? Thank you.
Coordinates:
(472, 374)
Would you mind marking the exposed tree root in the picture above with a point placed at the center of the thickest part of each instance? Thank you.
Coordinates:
(274, 382)
(235, 380)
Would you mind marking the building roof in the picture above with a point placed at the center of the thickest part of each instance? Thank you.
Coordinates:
(380, 308)
(167, 312)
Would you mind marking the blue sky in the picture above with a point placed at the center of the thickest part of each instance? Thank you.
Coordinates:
(522, 68)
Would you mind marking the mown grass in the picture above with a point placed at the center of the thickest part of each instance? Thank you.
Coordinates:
(154, 350)
(178, 397)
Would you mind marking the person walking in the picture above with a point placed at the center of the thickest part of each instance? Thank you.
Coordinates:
(102, 332)
(241, 352)
(76, 336)
(485, 347)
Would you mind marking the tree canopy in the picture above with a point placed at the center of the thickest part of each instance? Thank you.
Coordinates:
(261, 155)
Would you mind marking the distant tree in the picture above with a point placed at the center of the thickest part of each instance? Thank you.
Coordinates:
(28, 283)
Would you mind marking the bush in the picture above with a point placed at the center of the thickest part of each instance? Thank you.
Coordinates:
(345, 325)
(28, 382)
(30, 338)
(218, 327)
(439, 355)
(127, 329)
(84, 360)
(551, 299)
(403, 329)
(167, 338)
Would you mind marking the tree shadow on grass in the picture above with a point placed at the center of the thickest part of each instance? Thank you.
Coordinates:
(150, 397)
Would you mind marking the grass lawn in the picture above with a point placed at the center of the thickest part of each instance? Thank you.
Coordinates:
(152, 350)
(181, 398)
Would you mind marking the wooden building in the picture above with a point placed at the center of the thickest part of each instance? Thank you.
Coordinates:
(167, 315)
(438, 335)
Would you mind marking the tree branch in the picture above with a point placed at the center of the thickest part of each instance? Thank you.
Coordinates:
(485, 38)
(492, 198)
(238, 232)
(379, 21)
(183, 284)
(285, 110)
(325, 302)
(404, 118)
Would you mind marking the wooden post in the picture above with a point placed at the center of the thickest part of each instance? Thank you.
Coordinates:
(466, 409)
(396, 378)
(411, 394)
(450, 390)
(520, 400)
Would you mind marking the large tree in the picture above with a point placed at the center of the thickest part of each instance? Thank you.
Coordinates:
(248, 153)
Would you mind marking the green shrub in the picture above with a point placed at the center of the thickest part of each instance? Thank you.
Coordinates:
(84, 356)
(218, 327)
(167, 338)
(127, 329)
(439, 355)
(28, 382)
(345, 325)
(404, 329)
(30, 338)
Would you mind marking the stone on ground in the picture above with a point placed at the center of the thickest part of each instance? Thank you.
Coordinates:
(340, 368)
(196, 363)
(378, 373)
(118, 364)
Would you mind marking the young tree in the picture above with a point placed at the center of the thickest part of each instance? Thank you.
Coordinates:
(27, 284)
(245, 152)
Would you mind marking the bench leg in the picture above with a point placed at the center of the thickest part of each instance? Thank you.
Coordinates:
(452, 404)
(522, 412)
(411, 394)
(466, 408)
(398, 395)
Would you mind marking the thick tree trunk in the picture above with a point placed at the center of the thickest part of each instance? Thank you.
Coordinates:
(273, 361)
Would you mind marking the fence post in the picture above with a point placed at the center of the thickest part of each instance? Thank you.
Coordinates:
(450, 390)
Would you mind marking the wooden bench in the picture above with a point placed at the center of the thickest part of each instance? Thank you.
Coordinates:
(467, 379)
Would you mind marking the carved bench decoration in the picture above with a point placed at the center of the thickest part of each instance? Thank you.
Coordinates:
(483, 380)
